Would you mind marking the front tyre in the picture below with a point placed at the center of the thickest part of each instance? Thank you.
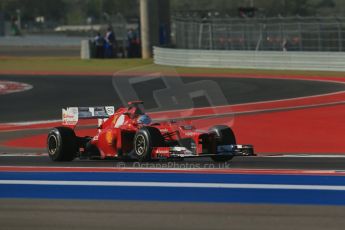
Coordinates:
(62, 144)
(144, 140)
(225, 136)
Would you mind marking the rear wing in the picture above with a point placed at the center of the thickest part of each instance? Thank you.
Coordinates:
(71, 115)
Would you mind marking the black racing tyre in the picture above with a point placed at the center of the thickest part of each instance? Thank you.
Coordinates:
(144, 140)
(92, 151)
(225, 136)
(62, 144)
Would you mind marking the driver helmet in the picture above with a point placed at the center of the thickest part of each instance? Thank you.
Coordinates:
(144, 120)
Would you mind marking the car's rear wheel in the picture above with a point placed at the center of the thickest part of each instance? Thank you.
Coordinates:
(144, 140)
(225, 136)
(62, 144)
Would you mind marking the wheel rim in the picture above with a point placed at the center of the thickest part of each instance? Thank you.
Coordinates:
(140, 145)
(52, 144)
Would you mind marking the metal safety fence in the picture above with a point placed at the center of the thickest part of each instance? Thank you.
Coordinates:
(271, 34)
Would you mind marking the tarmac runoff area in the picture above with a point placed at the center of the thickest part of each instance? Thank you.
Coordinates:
(77, 214)
(297, 182)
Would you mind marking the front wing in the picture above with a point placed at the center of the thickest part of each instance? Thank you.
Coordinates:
(182, 152)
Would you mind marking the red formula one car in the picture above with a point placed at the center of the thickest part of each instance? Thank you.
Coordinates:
(129, 133)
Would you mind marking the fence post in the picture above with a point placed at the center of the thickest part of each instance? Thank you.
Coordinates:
(243, 37)
(145, 29)
(201, 28)
(319, 38)
(300, 37)
(227, 36)
(260, 39)
(340, 42)
(210, 36)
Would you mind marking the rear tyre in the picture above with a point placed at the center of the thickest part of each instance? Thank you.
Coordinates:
(144, 140)
(62, 144)
(225, 136)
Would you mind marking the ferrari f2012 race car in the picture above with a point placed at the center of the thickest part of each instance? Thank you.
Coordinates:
(129, 133)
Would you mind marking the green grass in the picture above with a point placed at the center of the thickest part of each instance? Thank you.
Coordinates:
(74, 65)
(69, 64)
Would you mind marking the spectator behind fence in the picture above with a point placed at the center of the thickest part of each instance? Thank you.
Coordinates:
(99, 46)
(133, 44)
(15, 28)
(110, 43)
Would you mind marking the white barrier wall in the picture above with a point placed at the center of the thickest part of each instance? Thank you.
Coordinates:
(85, 50)
(325, 61)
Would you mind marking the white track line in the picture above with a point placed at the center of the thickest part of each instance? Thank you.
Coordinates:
(265, 156)
(31, 122)
(173, 185)
(307, 156)
(23, 154)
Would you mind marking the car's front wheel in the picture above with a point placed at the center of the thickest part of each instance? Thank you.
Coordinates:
(225, 136)
(62, 144)
(144, 140)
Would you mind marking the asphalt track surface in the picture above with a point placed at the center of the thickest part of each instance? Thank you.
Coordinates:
(51, 93)
(66, 214)
(295, 163)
